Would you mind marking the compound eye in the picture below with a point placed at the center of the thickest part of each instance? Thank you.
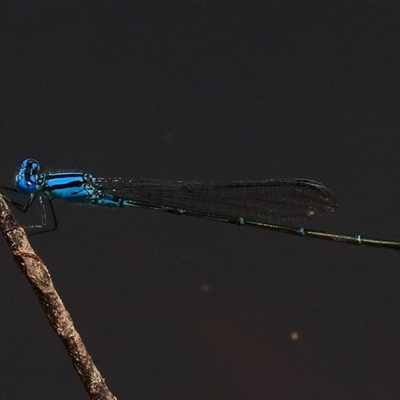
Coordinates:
(27, 175)
(31, 166)
(25, 186)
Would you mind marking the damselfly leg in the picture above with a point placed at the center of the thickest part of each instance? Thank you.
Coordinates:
(24, 207)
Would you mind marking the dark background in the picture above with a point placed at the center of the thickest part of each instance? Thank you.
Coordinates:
(182, 308)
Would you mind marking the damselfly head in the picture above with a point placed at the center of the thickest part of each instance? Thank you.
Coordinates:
(26, 177)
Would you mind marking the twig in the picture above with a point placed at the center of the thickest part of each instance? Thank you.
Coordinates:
(39, 278)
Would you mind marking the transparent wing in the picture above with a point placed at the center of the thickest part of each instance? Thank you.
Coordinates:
(274, 200)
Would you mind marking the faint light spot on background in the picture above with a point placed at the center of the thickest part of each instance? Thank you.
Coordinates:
(294, 335)
(205, 288)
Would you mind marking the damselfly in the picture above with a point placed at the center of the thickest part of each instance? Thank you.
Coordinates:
(262, 204)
